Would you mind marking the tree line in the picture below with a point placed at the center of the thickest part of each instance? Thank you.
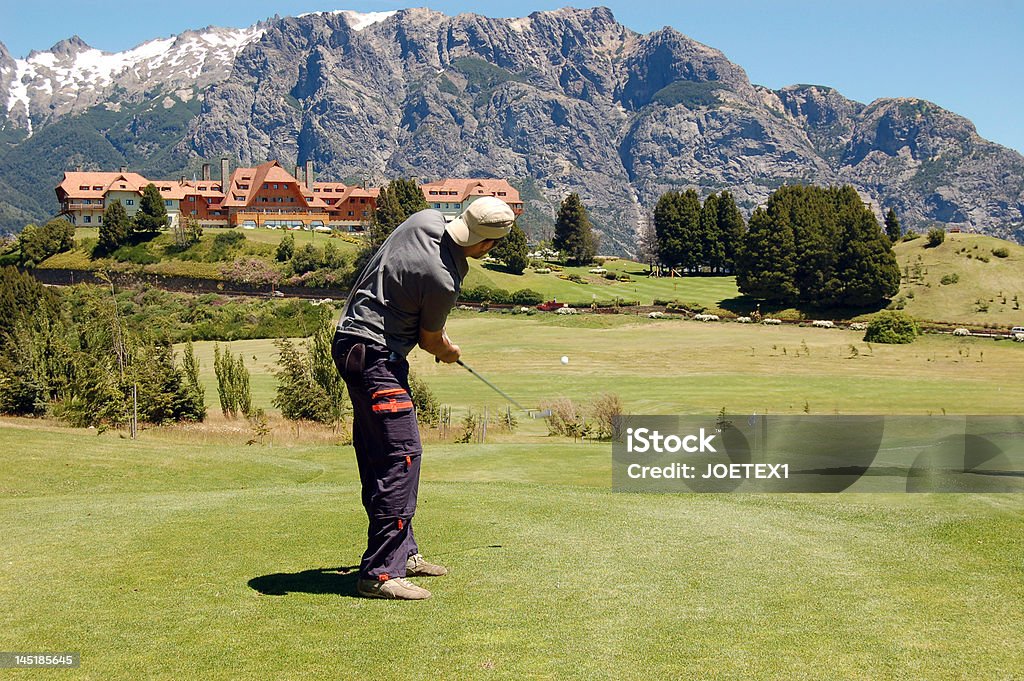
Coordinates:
(819, 246)
(82, 359)
(807, 246)
(696, 237)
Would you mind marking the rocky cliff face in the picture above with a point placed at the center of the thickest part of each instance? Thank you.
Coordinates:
(567, 101)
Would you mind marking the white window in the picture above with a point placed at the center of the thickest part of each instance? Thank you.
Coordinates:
(129, 202)
(88, 218)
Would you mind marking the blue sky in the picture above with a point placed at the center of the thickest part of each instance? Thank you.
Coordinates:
(965, 56)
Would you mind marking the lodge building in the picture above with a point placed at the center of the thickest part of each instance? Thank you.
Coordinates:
(263, 196)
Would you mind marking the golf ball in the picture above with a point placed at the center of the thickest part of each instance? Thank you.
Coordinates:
(565, 359)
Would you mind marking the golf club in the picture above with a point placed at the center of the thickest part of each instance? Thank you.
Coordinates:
(532, 412)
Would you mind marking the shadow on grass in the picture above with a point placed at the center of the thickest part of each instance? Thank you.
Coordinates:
(339, 580)
(499, 267)
(745, 305)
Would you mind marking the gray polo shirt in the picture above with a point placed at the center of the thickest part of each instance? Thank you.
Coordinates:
(412, 282)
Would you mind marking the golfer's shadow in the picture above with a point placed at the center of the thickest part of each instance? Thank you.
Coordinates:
(339, 580)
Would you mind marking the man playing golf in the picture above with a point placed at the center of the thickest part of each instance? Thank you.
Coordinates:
(399, 300)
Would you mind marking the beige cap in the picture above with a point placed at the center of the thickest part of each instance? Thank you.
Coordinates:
(486, 218)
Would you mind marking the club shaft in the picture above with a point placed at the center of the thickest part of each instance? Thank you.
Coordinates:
(491, 385)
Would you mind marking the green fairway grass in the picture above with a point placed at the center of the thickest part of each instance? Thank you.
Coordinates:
(220, 561)
(677, 366)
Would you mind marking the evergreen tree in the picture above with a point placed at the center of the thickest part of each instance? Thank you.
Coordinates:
(115, 228)
(20, 295)
(410, 196)
(232, 383)
(286, 248)
(512, 250)
(308, 384)
(307, 259)
(298, 395)
(892, 226)
(24, 390)
(574, 235)
(730, 229)
(334, 258)
(710, 236)
(196, 392)
(766, 267)
(669, 230)
(152, 215)
(866, 265)
(689, 215)
(39, 243)
(388, 215)
(807, 210)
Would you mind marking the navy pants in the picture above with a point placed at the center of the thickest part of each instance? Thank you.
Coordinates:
(388, 451)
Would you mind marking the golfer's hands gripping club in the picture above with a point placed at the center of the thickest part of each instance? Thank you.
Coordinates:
(451, 356)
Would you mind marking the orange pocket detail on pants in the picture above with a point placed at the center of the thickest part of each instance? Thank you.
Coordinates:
(390, 391)
(392, 406)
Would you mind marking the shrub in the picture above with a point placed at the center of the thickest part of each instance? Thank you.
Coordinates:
(526, 296)
(566, 419)
(286, 248)
(39, 243)
(232, 383)
(309, 387)
(891, 327)
(936, 236)
(1001, 252)
(428, 409)
(950, 279)
(228, 239)
(307, 259)
(136, 254)
(486, 294)
(605, 410)
(910, 235)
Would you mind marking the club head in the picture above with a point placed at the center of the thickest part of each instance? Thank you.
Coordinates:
(543, 414)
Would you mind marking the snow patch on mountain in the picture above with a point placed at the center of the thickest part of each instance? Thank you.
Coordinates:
(72, 74)
(357, 20)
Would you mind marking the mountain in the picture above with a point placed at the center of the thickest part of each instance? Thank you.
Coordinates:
(559, 101)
